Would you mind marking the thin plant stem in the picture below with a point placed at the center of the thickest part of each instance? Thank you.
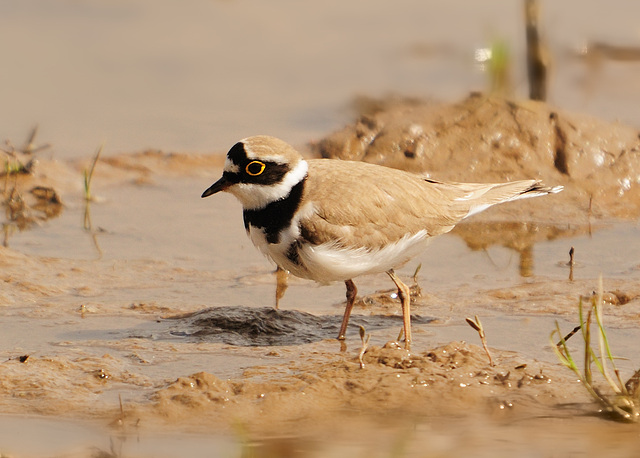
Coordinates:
(88, 175)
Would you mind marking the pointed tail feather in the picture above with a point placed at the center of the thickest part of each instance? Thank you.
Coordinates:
(538, 189)
(491, 195)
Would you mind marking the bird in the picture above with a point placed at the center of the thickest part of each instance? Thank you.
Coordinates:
(334, 220)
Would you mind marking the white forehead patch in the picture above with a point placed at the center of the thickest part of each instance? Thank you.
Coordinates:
(229, 166)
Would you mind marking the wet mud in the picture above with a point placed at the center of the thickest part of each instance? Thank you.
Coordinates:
(388, 381)
(155, 321)
(246, 326)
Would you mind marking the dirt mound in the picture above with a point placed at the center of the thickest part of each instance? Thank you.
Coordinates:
(492, 139)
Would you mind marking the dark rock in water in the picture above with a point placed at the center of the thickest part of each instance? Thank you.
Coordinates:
(247, 326)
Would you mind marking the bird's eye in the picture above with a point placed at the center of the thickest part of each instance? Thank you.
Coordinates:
(255, 168)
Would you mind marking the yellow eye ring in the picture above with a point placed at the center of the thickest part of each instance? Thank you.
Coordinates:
(252, 170)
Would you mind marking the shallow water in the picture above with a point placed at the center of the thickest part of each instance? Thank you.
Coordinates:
(168, 221)
(131, 308)
(166, 226)
(184, 256)
(54, 437)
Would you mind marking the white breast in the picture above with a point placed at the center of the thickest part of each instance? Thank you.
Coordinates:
(328, 262)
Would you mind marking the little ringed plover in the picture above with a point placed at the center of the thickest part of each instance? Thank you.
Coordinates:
(331, 220)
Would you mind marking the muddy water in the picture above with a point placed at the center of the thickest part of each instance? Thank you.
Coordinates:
(166, 285)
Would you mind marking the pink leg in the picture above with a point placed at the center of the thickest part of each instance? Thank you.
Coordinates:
(351, 298)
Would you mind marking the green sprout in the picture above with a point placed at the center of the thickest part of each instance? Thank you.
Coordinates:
(624, 401)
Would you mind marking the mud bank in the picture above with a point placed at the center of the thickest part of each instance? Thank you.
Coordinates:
(485, 138)
(155, 318)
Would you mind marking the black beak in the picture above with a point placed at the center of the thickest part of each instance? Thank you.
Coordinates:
(218, 186)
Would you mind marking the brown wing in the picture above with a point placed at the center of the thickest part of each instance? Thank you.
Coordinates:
(370, 206)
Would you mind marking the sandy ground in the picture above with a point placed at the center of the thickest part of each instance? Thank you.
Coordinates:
(151, 324)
